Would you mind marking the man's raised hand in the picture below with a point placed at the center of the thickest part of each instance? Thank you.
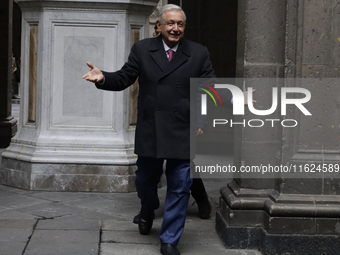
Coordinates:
(95, 75)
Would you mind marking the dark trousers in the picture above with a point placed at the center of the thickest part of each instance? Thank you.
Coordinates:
(179, 182)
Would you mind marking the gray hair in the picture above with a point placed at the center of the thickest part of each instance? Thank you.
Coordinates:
(168, 7)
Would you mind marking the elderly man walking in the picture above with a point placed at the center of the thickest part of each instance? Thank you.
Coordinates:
(164, 66)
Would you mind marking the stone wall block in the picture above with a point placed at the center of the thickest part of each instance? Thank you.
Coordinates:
(265, 23)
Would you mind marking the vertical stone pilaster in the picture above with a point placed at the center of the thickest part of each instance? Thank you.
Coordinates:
(33, 64)
(313, 51)
(260, 54)
(135, 35)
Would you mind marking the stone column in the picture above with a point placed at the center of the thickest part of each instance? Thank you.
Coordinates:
(291, 39)
(73, 136)
(8, 125)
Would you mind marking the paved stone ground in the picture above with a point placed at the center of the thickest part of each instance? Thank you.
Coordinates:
(65, 223)
(55, 223)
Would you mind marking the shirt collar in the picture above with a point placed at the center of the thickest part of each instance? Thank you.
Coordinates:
(166, 47)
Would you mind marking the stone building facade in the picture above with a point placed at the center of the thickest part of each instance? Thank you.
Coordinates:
(58, 148)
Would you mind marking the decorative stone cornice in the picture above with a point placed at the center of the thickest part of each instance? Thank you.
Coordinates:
(89, 5)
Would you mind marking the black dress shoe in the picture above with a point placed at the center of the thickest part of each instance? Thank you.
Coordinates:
(136, 218)
(169, 249)
(204, 207)
(145, 222)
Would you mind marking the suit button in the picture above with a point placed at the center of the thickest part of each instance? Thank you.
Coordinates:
(175, 111)
(156, 110)
(177, 85)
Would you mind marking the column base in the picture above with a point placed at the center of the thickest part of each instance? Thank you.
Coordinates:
(67, 177)
(278, 224)
(241, 237)
(8, 128)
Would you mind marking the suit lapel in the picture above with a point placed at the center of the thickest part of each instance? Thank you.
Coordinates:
(179, 58)
(158, 54)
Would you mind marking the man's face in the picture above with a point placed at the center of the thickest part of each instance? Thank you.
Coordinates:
(172, 28)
